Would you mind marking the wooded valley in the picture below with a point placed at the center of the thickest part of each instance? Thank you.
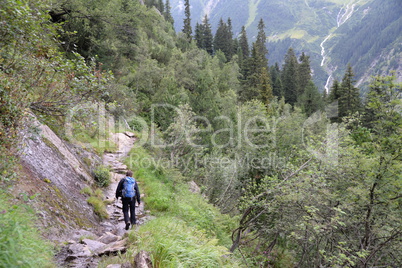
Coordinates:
(289, 176)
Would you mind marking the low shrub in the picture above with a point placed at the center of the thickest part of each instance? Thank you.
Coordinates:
(102, 176)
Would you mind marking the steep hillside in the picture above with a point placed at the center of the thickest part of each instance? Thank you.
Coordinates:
(329, 31)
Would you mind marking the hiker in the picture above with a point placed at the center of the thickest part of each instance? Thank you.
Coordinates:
(129, 193)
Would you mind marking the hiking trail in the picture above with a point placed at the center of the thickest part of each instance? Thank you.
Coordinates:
(86, 247)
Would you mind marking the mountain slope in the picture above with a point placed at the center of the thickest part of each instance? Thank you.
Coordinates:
(325, 30)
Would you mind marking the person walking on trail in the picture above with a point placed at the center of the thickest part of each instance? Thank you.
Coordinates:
(128, 190)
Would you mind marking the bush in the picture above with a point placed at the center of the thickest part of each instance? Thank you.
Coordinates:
(102, 176)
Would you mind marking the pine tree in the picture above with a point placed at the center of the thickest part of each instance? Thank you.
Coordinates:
(265, 87)
(243, 43)
(289, 77)
(229, 38)
(260, 44)
(304, 72)
(243, 52)
(223, 40)
(161, 6)
(349, 99)
(277, 87)
(335, 92)
(187, 30)
(311, 100)
(199, 35)
(168, 14)
(207, 34)
(258, 59)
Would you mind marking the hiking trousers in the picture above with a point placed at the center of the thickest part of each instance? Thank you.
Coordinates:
(129, 204)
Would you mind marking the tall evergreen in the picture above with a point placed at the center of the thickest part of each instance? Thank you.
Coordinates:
(223, 39)
(161, 6)
(265, 87)
(187, 30)
(260, 44)
(289, 77)
(243, 52)
(277, 87)
(311, 100)
(243, 43)
(304, 72)
(258, 59)
(199, 35)
(207, 36)
(335, 91)
(349, 99)
(230, 43)
(168, 14)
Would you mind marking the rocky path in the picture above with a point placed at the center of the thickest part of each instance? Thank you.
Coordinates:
(87, 246)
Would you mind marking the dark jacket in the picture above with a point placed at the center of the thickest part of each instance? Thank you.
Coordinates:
(120, 188)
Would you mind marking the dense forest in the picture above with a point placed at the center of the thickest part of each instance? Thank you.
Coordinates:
(309, 179)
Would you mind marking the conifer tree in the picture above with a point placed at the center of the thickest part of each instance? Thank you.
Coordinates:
(243, 43)
(260, 44)
(223, 39)
(265, 87)
(161, 6)
(199, 35)
(243, 52)
(349, 99)
(207, 35)
(168, 14)
(289, 77)
(187, 30)
(277, 88)
(258, 59)
(229, 38)
(311, 100)
(335, 92)
(304, 72)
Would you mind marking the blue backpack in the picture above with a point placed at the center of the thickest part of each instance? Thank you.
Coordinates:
(128, 187)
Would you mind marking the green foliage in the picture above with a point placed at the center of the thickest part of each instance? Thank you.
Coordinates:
(168, 196)
(173, 243)
(97, 202)
(21, 244)
(102, 176)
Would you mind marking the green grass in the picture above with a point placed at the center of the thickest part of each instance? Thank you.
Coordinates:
(95, 199)
(21, 244)
(187, 231)
(174, 243)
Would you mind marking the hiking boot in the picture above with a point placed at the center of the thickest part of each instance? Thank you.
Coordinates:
(127, 225)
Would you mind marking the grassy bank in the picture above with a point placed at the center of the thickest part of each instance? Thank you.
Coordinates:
(20, 242)
(186, 230)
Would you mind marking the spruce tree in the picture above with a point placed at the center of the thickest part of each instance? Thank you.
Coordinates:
(289, 77)
(187, 30)
(223, 39)
(260, 44)
(168, 14)
(243, 53)
(243, 43)
(335, 92)
(199, 35)
(277, 87)
(304, 72)
(311, 99)
(349, 99)
(229, 38)
(265, 87)
(207, 36)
